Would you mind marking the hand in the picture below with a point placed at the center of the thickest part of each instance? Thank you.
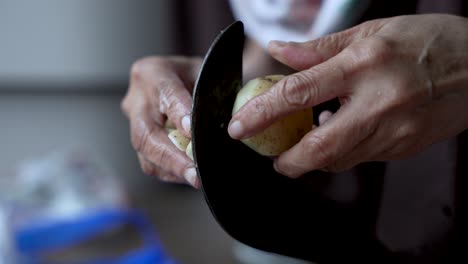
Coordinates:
(160, 89)
(402, 81)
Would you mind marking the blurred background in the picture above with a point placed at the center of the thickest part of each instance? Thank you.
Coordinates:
(71, 187)
(63, 72)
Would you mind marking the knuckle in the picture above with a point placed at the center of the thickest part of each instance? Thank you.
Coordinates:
(138, 68)
(145, 65)
(315, 146)
(149, 169)
(125, 105)
(373, 51)
(332, 42)
(396, 93)
(407, 132)
(168, 93)
(298, 90)
(263, 107)
(167, 86)
(370, 27)
(260, 107)
(401, 92)
(169, 101)
(380, 48)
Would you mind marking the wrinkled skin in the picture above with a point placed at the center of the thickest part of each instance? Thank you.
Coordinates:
(402, 82)
(160, 89)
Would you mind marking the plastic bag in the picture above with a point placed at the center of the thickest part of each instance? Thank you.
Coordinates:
(63, 199)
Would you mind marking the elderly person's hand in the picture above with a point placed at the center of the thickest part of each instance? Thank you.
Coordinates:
(160, 90)
(402, 81)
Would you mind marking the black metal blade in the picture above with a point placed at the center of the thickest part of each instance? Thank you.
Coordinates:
(218, 82)
(253, 203)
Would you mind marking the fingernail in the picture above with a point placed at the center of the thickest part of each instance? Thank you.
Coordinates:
(324, 117)
(191, 176)
(275, 166)
(186, 124)
(236, 129)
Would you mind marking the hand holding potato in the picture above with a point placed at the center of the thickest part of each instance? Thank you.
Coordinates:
(182, 142)
(405, 82)
(160, 91)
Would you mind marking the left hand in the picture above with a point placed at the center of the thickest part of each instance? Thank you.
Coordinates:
(402, 81)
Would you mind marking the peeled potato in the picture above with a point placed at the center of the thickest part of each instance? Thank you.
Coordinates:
(178, 139)
(189, 151)
(281, 135)
(182, 142)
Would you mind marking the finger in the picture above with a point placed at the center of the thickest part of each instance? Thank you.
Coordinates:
(152, 142)
(365, 151)
(176, 102)
(163, 85)
(330, 79)
(151, 169)
(324, 117)
(391, 133)
(406, 134)
(326, 144)
(293, 93)
(133, 97)
(301, 56)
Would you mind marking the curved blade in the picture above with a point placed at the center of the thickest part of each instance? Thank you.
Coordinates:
(218, 82)
(252, 202)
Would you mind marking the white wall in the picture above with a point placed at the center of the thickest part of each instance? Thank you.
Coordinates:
(57, 42)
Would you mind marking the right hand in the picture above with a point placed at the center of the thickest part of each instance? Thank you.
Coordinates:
(160, 89)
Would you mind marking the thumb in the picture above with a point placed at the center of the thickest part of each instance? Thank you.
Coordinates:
(304, 55)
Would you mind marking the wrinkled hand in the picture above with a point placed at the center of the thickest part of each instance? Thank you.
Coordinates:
(160, 89)
(402, 81)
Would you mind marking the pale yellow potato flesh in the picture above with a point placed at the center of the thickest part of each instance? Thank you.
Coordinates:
(281, 135)
(178, 139)
(189, 150)
(182, 142)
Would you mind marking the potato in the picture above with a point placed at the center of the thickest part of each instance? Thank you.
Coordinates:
(182, 142)
(189, 150)
(178, 139)
(281, 135)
